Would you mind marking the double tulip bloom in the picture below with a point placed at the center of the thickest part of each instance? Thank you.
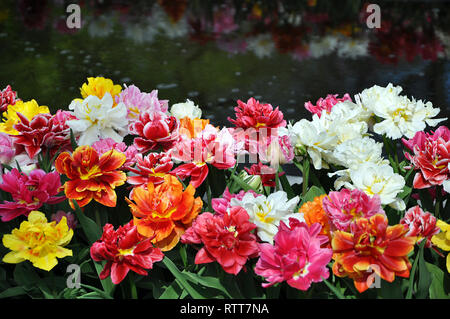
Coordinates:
(91, 176)
(372, 246)
(430, 156)
(124, 250)
(163, 212)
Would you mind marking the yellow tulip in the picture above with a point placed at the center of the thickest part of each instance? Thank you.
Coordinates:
(28, 109)
(442, 239)
(98, 86)
(38, 241)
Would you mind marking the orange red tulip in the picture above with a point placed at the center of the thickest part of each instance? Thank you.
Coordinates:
(91, 176)
(372, 246)
(164, 212)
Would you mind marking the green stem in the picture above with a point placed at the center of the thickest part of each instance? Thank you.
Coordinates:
(305, 176)
(277, 181)
(232, 174)
(208, 193)
(438, 202)
(411, 278)
(178, 275)
(133, 289)
(97, 217)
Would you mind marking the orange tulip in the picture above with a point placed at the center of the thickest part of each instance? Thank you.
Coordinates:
(91, 176)
(192, 127)
(372, 247)
(313, 212)
(163, 212)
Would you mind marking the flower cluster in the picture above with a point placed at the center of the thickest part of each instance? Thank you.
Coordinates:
(158, 179)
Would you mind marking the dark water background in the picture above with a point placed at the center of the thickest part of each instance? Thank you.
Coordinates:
(216, 52)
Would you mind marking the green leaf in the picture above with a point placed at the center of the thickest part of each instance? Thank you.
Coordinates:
(437, 290)
(243, 184)
(334, 289)
(107, 284)
(91, 295)
(181, 277)
(285, 183)
(206, 281)
(91, 229)
(93, 233)
(12, 292)
(101, 293)
(406, 191)
(411, 278)
(73, 142)
(183, 255)
(25, 275)
(424, 275)
(391, 290)
(312, 193)
(173, 291)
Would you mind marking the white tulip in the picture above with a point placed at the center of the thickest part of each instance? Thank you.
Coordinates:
(186, 109)
(267, 212)
(98, 119)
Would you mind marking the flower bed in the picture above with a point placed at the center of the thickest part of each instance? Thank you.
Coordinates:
(143, 200)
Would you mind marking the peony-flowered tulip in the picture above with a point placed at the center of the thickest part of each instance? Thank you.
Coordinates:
(326, 104)
(151, 168)
(124, 250)
(254, 114)
(227, 239)
(91, 176)
(442, 240)
(267, 212)
(420, 224)
(346, 206)
(98, 87)
(98, 119)
(44, 133)
(7, 150)
(155, 130)
(372, 246)
(313, 212)
(29, 192)
(431, 157)
(187, 109)
(296, 257)
(38, 241)
(163, 212)
(7, 97)
(136, 101)
(26, 109)
(208, 147)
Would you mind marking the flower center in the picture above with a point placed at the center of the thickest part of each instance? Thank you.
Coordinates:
(302, 272)
(232, 229)
(400, 113)
(263, 211)
(126, 252)
(90, 173)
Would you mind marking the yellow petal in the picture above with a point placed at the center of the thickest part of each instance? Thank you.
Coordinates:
(448, 263)
(62, 252)
(14, 243)
(46, 262)
(441, 241)
(36, 217)
(13, 257)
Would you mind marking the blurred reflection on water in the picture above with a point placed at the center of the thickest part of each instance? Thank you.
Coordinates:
(217, 52)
